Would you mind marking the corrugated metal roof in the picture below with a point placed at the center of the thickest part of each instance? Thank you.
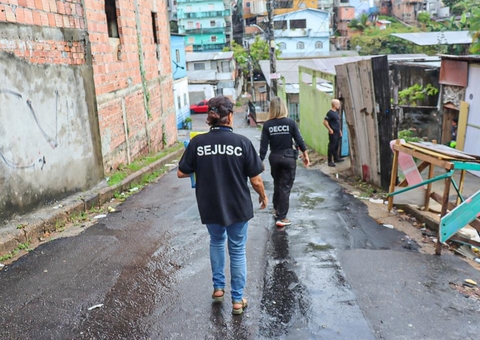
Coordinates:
(289, 68)
(434, 38)
(471, 57)
(202, 56)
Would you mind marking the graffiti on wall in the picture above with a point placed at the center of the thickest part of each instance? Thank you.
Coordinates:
(51, 140)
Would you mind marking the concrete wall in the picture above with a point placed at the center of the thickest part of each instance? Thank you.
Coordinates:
(50, 144)
(313, 109)
(74, 102)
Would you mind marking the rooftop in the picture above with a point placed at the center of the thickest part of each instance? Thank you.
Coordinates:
(435, 38)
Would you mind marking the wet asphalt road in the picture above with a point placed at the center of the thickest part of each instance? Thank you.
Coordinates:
(334, 274)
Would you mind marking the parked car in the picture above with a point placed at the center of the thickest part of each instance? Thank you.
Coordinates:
(200, 107)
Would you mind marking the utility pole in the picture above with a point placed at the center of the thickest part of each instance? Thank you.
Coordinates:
(250, 67)
(271, 45)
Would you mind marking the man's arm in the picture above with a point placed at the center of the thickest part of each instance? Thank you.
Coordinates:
(181, 174)
(257, 184)
(325, 122)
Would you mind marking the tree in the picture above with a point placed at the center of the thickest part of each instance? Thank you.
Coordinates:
(475, 31)
(259, 50)
(360, 24)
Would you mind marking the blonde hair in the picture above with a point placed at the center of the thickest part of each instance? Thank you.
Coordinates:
(277, 109)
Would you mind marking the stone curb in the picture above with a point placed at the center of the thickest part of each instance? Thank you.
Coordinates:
(37, 223)
(430, 222)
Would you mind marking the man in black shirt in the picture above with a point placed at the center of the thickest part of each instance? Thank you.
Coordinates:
(332, 123)
(222, 161)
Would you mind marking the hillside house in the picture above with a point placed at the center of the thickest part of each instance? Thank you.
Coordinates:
(211, 74)
(303, 33)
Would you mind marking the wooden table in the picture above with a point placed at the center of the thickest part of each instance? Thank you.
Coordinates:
(432, 155)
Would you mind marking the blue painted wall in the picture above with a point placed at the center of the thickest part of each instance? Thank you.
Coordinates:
(177, 43)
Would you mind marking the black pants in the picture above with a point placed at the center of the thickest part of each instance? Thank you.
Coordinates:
(333, 142)
(282, 169)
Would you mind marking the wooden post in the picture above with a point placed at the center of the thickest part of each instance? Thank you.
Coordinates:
(446, 193)
(431, 170)
(393, 177)
(460, 186)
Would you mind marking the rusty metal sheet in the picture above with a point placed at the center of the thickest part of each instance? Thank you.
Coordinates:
(454, 72)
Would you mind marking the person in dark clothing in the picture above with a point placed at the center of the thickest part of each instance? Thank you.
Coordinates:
(222, 161)
(280, 132)
(332, 123)
(453, 142)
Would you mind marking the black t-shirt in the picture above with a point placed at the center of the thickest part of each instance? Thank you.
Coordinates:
(333, 120)
(279, 133)
(222, 161)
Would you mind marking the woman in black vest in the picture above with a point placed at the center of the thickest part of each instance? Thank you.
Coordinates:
(280, 132)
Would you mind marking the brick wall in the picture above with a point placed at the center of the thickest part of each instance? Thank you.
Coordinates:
(135, 72)
(38, 43)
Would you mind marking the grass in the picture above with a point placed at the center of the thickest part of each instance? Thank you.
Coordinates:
(22, 246)
(124, 171)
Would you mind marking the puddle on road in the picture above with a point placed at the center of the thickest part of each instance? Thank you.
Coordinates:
(318, 247)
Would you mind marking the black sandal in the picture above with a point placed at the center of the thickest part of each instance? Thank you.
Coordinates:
(218, 298)
(240, 310)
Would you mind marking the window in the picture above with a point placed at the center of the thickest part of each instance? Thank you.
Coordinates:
(213, 38)
(248, 4)
(177, 56)
(190, 24)
(213, 23)
(179, 103)
(300, 45)
(154, 27)
(318, 44)
(280, 24)
(282, 46)
(111, 13)
(225, 66)
(300, 23)
(198, 66)
(284, 4)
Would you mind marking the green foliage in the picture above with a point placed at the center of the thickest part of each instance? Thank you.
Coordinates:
(416, 94)
(407, 135)
(475, 31)
(259, 50)
(423, 17)
(123, 171)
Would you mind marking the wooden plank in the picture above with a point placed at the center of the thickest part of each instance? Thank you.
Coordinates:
(462, 125)
(438, 162)
(446, 193)
(443, 149)
(344, 89)
(357, 99)
(393, 179)
(465, 240)
(438, 198)
(429, 152)
(368, 115)
(431, 171)
(384, 115)
(460, 185)
(422, 166)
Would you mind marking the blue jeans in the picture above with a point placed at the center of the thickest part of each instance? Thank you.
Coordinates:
(237, 238)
